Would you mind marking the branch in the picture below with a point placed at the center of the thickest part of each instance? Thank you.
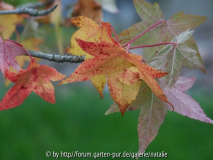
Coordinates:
(56, 58)
(30, 11)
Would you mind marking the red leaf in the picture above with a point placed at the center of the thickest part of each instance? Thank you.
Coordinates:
(113, 61)
(35, 78)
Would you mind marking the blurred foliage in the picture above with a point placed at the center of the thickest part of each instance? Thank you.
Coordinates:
(19, 2)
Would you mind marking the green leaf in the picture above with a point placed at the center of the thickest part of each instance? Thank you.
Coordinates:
(170, 58)
(164, 32)
(148, 12)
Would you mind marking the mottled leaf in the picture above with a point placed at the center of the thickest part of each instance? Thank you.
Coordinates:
(92, 32)
(35, 78)
(113, 61)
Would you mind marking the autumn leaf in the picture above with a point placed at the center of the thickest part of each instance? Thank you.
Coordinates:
(35, 78)
(186, 105)
(29, 43)
(113, 61)
(8, 22)
(183, 103)
(151, 117)
(164, 32)
(170, 58)
(8, 50)
(152, 114)
(92, 32)
(153, 110)
(124, 86)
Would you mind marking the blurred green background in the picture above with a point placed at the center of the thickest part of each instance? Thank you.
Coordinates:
(77, 121)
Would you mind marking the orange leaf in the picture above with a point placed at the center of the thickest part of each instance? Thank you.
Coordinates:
(119, 67)
(35, 78)
(90, 31)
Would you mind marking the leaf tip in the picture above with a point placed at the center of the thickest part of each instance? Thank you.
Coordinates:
(67, 50)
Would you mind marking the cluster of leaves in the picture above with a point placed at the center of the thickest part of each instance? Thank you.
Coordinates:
(151, 84)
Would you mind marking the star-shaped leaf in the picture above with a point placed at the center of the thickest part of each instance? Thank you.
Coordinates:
(35, 78)
(164, 32)
(92, 32)
(113, 61)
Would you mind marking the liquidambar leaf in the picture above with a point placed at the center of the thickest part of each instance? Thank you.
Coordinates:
(35, 78)
(92, 32)
(111, 60)
(150, 119)
(170, 59)
(164, 32)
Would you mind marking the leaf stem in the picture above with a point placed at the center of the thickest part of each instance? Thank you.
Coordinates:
(29, 55)
(138, 36)
(127, 48)
(154, 45)
(116, 37)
